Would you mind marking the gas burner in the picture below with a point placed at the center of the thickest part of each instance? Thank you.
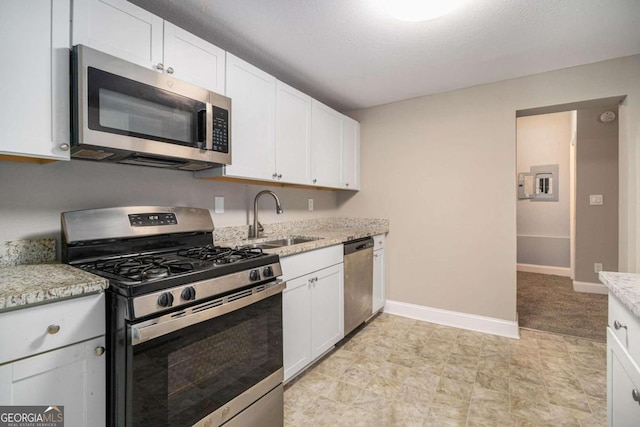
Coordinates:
(144, 267)
(220, 255)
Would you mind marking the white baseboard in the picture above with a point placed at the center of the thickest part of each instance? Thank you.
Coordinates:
(472, 322)
(590, 288)
(545, 269)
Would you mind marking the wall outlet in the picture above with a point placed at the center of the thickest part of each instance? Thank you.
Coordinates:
(595, 199)
(597, 267)
(218, 204)
(310, 204)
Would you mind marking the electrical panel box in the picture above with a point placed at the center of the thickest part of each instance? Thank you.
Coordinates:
(540, 184)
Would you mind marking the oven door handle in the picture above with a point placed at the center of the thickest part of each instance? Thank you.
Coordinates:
(164, 325)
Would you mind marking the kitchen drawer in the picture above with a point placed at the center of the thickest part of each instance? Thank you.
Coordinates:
(378, 242)
(629, 336)
(25, 332)
(307, 262)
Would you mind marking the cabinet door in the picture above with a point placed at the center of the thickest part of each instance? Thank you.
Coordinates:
(350, 153)
(34, 78)
(327, 309)
(379, 285)
(72, 376)
(192, 59)
(293, 134)
(623, 388)
(326, 146)
(119, 28)
(296, 322)
(253, 94)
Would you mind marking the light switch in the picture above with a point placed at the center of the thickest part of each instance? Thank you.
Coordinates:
(218, 204)
(595, 199)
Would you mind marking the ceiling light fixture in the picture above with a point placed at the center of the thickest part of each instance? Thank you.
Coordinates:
(420, 10)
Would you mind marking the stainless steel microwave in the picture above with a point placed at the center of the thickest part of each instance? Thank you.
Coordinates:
(129, 114)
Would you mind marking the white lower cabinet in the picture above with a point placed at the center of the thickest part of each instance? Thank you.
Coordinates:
(623, 368)
(54, 355)
(379, 274)
(313, 312)
(73, 377)
(623, 389)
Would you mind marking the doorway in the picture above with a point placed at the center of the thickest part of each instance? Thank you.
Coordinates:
(567, 215)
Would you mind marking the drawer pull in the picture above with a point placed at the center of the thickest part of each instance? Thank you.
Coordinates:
(99, 351)
(53, 329)
(635, 394)
(617, 325)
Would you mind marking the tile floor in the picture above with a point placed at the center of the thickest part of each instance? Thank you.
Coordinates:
(401, 372)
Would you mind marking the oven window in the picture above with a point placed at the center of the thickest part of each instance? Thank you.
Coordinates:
(180, 378)
(122, 106)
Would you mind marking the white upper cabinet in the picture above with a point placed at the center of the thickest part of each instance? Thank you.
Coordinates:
(253, 94)
(119, 28)
(127, 31)
(350, 153)
(34, 79)
(326, 146)
(192, 59)
(293, 135)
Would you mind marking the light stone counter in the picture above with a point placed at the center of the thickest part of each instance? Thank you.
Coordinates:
(625, 286)
(22, 285)
(329, 232)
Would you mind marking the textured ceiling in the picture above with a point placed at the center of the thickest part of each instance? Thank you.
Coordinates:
(350, 55)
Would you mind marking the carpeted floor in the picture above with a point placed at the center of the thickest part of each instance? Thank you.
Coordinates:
(549, 303)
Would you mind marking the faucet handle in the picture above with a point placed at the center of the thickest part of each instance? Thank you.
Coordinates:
(260, 227)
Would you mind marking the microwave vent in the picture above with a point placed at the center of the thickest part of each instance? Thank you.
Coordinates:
(194, 167)
(92, 154)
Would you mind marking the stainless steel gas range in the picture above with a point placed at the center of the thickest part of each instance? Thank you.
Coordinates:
(194, 333)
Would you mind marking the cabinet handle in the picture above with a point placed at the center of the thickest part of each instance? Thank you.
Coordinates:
(617, 325)
(170, 70)
(53, 329)
(160, 66)
(635, 395)
(99, 351)
(375, 255)
(279, 175)
(64, 147)
(315, 180)
(347, 184)
(274, 176)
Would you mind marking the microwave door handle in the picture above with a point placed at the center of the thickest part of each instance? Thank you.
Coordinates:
(209, 127)
(201, 129)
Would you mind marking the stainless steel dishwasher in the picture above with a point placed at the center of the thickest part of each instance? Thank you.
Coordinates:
(358, 282)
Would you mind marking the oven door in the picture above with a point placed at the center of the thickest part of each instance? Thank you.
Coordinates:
(206, 364)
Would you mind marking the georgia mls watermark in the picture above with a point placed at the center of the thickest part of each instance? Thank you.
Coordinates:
(31, 416)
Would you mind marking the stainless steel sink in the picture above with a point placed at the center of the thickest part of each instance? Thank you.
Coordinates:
(278, 243)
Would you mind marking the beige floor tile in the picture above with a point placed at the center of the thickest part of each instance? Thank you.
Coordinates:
(490, 399)
(394, 371)
(526, 408)
(384, 386)
(464, 361)
(598, 408)
(526, 374)
(422, 381)
(483, 416)
(357, 375)
(455, 389)
(342, 392)
(459, 373)
(558, 382)
(494, 366)
(491, 382)
(447, 410)
(403, 358)
(528, 390)
(415, 396)
(569, 398)
(324, 412)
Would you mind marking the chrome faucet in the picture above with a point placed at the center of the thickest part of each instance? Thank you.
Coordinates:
(254, 231)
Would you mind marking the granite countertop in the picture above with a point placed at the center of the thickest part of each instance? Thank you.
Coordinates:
(22, 285)
(625, 286)
(327, 236)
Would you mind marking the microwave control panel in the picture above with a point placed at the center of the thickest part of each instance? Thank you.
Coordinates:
(220, 130)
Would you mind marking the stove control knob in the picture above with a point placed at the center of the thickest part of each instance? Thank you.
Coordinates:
(254, 275)
(165, 299)
(188, 293)
(267, 272)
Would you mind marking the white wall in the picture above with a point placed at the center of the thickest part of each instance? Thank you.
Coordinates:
(442, 169)
(32, 196)
(543, 227)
